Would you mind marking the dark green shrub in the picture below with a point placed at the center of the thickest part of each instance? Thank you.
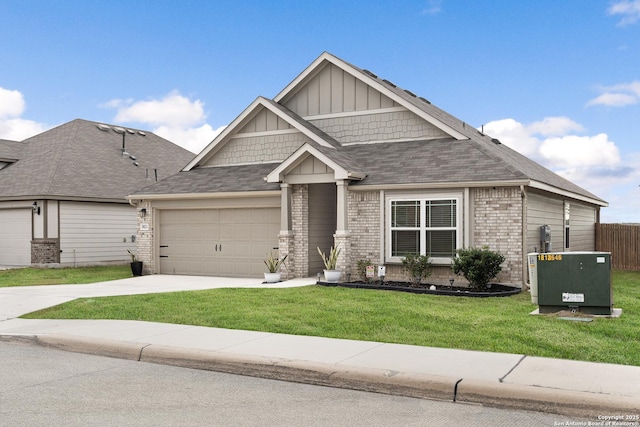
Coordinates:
(418, 267)
(478, 265)
(361, 268)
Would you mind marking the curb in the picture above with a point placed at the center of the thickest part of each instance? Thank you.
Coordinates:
(494, 394)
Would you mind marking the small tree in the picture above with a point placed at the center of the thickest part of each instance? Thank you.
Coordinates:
(478, 265)
(418, 267)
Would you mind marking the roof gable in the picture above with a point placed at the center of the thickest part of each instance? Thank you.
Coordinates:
(262, 117)
(342, 87)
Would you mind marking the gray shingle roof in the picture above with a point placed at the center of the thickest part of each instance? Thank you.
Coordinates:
(11, 150)
(218, 179)
(79, 160)
(476, 159)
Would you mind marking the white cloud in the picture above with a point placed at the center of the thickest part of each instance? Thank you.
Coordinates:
(193, 139)
(572, 151)
(618, 95)
(174, 109)
(11, 103)
(175, 117)
(629, 10)
(591, 161)
(12, 127)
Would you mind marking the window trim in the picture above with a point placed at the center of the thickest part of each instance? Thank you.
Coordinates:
(423, 197)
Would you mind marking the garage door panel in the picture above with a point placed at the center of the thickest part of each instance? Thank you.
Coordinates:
(15, 237)
(217, 242)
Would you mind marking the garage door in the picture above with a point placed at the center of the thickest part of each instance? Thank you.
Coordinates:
(15, 237)
(217, 242)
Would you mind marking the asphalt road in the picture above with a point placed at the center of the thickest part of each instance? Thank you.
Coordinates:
(42, 386)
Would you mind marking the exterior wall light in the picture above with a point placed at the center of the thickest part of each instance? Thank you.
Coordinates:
(143, 212)
(35, 208)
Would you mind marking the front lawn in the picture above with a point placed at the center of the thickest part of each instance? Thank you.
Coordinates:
(62, 276)
(487, 324)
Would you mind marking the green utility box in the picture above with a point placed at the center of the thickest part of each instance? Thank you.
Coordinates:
(576, 281)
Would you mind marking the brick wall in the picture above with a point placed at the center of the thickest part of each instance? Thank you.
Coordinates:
(45, 251)
(497, 223)
(300, 227)
(378, 127)
(144, 239)
(364, 227)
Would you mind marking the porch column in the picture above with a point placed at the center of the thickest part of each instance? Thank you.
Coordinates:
(286, 236)
(342, 237)
(342, 218)
(285, 207)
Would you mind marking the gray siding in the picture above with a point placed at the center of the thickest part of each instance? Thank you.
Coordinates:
(333, 90)
(382, 126)
(94, 233)
(256, 148)
(544, 210)
(582, 234)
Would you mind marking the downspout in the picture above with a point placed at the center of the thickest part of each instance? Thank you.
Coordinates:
(525, 258)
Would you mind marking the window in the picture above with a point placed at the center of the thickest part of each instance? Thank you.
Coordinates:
(425, 226)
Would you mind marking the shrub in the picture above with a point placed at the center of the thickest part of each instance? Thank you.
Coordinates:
(361, 269)
(478, 265)
(418, 267)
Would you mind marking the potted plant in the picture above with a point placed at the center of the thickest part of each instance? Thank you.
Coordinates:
(136, 266)
(330, 272)
(273, 264)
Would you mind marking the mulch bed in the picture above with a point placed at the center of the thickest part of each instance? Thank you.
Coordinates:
(494, 289)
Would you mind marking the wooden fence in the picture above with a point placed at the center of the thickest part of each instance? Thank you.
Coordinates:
(623, 241)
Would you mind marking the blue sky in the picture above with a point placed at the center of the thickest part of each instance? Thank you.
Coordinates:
(557, 80)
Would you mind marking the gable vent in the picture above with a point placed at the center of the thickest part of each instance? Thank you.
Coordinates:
(388, 82)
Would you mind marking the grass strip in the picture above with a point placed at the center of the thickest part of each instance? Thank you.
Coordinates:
(485, 324)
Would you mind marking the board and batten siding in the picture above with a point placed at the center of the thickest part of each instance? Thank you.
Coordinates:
(94, 233)
(543, 210)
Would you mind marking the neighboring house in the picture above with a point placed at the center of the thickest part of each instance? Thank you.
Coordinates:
(63, 192)
(342, 157)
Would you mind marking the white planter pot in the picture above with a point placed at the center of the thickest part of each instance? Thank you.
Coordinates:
(272, 277)
(332, 276)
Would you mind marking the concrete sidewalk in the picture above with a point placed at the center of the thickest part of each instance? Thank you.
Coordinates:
(572, 388)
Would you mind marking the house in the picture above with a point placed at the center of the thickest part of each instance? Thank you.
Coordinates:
(343, 157)
(63, 192)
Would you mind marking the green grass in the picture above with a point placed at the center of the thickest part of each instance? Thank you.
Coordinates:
(487, 324)
(62, 276)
